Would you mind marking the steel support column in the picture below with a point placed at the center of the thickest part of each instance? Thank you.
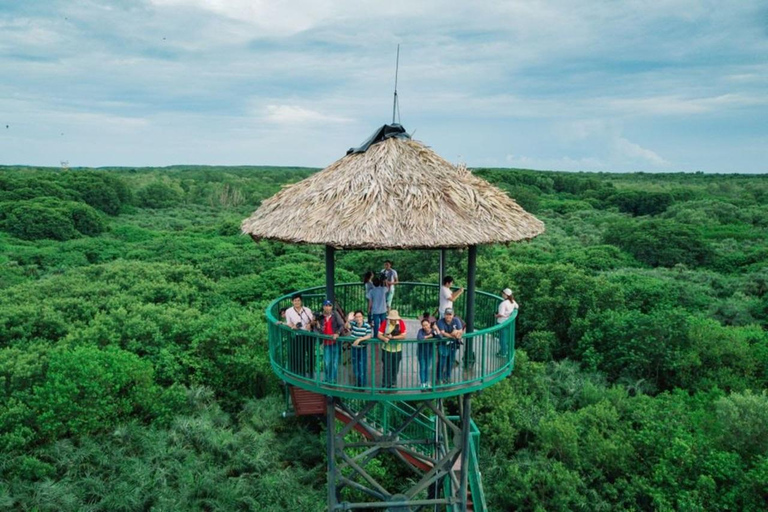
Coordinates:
(443, 263)
(330, 271)
(469, 353)
(331, 449)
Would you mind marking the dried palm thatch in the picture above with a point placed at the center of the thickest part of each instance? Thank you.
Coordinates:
(398, 194)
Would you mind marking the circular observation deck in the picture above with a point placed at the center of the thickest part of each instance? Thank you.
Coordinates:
(374, 373)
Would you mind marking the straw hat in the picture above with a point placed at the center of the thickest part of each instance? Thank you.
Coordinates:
(393, 315)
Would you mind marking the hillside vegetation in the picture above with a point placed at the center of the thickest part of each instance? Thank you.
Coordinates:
(134, 372)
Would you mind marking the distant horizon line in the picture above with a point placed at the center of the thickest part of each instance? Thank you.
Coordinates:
(270, 166)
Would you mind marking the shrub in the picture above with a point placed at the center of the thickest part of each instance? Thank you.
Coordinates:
(88, 389)
(41, 218)
(638, 202)
(660, 243)
(158, 195)
(98, 189)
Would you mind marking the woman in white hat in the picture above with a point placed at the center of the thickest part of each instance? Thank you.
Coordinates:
(506, 308)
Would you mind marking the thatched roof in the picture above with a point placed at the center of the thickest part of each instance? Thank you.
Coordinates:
(397, 194)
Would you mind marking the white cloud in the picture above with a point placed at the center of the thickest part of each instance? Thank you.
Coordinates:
(572, 84)
(635, 152)
(296, 115)
(673, 105)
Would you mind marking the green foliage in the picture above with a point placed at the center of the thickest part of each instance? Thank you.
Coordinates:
(638, 202)
(101, 190)
(158, 195)
(660, 243)
(36, 219)
(87, 389)
(130, 357)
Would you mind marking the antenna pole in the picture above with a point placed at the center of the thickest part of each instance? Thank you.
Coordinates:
(397, 68)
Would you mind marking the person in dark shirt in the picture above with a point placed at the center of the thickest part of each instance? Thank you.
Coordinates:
(451, 331)
(424, 350)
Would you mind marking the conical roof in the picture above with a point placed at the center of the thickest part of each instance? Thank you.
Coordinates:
(396, 194)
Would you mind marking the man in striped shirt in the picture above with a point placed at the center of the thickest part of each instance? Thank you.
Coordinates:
(361, 331)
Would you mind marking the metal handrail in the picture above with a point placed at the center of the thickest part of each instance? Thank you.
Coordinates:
(297, 355)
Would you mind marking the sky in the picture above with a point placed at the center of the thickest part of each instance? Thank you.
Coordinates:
(620, 86)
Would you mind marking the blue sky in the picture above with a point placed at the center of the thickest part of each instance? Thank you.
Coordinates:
(636, 85)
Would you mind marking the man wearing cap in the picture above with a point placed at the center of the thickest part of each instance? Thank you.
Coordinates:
(451, 330)
(506, 308)
(330, 324)
(390, 333)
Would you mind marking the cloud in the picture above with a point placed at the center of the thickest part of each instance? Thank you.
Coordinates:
(635, 152)
(623, 85)
(296, 115)
(672, 105)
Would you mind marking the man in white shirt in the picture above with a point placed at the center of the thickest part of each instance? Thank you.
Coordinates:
(506, 308)
(301, 348)
(447, 296)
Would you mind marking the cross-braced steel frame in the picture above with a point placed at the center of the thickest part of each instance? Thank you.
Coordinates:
(436, 460)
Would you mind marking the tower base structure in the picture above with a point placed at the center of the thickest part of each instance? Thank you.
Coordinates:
(435, 446)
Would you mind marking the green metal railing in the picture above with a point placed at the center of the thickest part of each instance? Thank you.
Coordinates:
(305, 359)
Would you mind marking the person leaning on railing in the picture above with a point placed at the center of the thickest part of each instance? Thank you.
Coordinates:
(426, 336)
(451, 330)
(390, 333)
(360, 330)
(506, 308)
(330, 324)
(301, 348)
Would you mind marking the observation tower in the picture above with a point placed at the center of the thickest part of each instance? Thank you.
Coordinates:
(395, 193)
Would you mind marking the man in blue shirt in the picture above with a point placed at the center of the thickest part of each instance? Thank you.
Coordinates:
(451, 330)
(361, 331)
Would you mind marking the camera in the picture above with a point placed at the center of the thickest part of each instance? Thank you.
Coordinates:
(299, 325)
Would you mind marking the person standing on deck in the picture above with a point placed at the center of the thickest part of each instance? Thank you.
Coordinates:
(506, 308)
(377, 303)
(451, 330)
(447, 296)
(361, 331)
(391, 351)
(330, 324)
(301, 353)
(390, 278)
(368, 284)
(424, 350)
